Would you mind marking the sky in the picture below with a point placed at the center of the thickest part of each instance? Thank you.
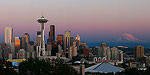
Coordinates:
(93, 20)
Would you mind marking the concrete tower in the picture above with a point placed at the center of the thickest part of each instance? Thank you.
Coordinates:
(42, 21)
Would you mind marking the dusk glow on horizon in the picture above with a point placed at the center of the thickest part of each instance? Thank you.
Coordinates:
(95, 20)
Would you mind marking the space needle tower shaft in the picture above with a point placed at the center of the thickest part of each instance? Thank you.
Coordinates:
(42, 21)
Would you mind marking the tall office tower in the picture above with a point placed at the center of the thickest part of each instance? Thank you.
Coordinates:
(60, 39)
(114, 53)
(78, 41)
(51, 34)
(138, 52)
(8, 35)
(103, 44)
(38, 38)
(17, 44)
(67, 40)
(22, 43)
(42, 21)
(71, 41)
(27, 38)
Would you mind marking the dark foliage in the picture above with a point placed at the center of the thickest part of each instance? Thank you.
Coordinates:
(7, 70)
(45, 67)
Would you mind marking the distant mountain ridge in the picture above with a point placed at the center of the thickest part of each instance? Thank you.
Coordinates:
(128, 38)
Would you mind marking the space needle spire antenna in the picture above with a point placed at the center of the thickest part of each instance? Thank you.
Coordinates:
(42, 14)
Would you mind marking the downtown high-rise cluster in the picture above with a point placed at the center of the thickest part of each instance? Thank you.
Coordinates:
(21, 47)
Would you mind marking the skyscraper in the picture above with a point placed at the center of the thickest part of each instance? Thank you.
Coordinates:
(22, 43)
(67, 40)
(51, 34)
(138, 52)
(71, 41)
(78, 41)
(8, 35)
(42, 21)
(60, 39)
(27, 38)
(17, 44)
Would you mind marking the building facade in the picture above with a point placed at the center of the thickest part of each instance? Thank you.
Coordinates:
(8, 35)
(138, 52)
(67, 40)
(51, 34)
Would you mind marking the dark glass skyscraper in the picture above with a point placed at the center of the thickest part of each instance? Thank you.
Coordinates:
(71, 41)
(27, 38)
(51, 34)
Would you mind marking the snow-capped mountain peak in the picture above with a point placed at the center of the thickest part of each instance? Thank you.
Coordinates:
(128, 37)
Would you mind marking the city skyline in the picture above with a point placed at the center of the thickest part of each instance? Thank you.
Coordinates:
(75, 37)
(99, 20)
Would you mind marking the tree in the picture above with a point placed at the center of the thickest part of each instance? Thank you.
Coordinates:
(45, 67)
(7, 70)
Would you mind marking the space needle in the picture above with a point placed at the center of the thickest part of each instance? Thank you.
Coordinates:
(42, 21)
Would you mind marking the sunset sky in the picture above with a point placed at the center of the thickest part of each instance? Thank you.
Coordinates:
(93, 20)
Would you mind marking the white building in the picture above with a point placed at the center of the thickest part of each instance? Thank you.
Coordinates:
(8, 35)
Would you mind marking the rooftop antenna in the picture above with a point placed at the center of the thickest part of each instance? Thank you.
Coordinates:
(42, 13)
